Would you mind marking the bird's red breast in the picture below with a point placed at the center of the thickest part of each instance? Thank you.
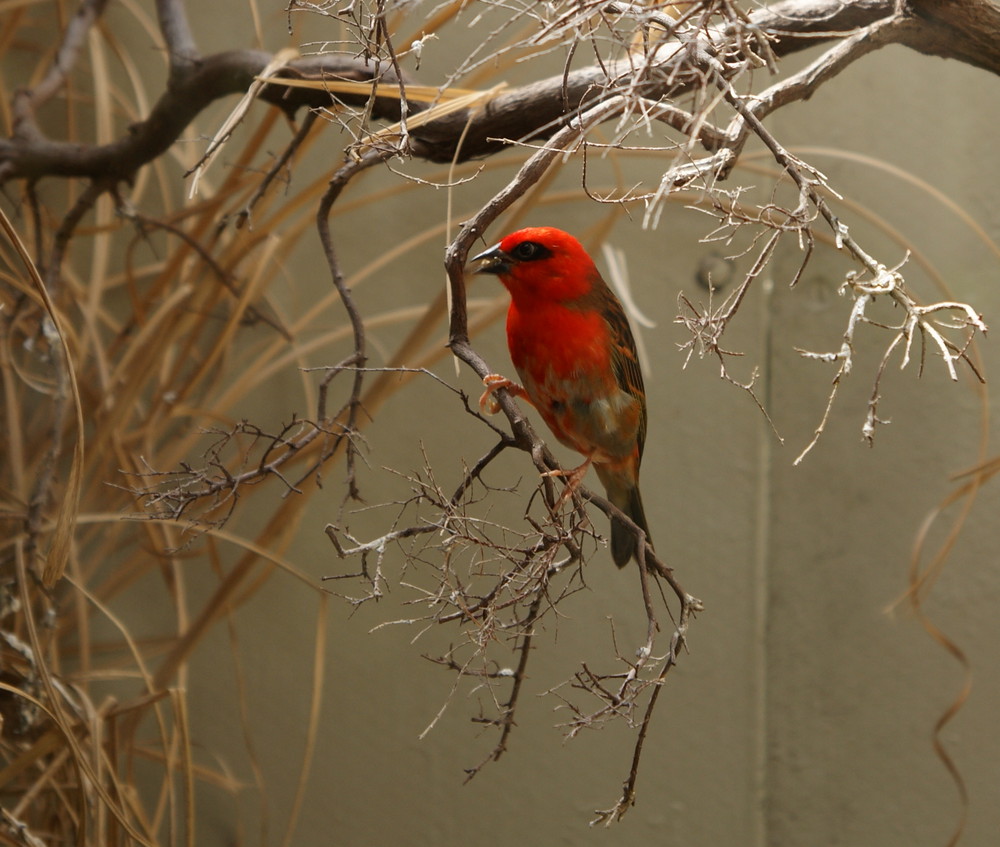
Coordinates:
(571, 344)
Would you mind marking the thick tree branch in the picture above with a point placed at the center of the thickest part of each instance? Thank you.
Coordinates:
(31, 156)
(177, 34)
(966, 30)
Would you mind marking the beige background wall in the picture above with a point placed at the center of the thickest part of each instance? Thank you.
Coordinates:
(802, 713)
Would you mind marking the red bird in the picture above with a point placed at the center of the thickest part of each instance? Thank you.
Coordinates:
(574, 352)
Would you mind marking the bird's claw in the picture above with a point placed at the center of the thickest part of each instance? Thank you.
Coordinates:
(494, 382)
(573, 477)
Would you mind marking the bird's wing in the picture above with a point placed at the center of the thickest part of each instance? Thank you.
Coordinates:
(624, 357)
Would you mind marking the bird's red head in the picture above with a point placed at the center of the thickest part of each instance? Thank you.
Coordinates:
(540, 263)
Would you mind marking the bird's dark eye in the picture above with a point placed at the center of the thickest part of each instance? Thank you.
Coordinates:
(528, 251)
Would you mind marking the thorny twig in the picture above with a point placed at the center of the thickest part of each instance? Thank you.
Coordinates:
(889, 282)
(501, 587)
(707, 326)
(875, 281)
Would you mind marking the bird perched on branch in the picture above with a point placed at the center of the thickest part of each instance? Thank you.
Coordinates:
(573, 349)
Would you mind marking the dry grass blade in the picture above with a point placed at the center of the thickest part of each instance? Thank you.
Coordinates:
(416, 93)
(58, 714)
(68, 391)
(282, 58)
(472, 100)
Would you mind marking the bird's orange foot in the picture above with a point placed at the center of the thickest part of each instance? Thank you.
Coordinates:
(573, 477)
(494, 382)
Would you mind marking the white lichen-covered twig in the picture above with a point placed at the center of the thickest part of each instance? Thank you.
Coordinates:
(933, 322)
(949, 326)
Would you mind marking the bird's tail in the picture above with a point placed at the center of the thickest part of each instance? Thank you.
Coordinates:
(623, 492)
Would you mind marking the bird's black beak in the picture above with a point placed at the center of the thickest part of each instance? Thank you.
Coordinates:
(492, 261)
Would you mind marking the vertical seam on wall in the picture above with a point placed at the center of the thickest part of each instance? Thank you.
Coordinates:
(761, 587)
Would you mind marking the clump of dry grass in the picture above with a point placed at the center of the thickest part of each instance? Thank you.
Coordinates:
(131, 342)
